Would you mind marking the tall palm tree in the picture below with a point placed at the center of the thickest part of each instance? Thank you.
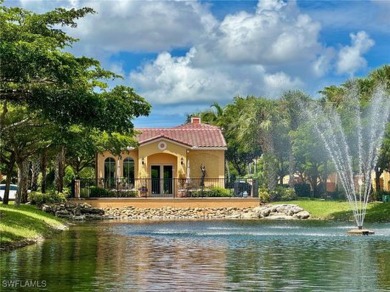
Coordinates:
(290, 105)
(255, 123)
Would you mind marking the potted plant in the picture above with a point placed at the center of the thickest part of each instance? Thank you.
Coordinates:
(143, 191)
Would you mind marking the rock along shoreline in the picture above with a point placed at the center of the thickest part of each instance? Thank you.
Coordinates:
(84, 211)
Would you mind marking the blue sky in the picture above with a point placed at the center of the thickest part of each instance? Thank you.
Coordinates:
(182, 56)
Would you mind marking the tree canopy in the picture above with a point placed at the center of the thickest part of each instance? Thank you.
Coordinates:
(39, 72)
(68, 98)
(275, 131)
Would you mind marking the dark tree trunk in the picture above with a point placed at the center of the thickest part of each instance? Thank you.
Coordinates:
(291, 167)
(43, 170)
(10, 167)
(35, 167)
(60, 170)
(21, 196)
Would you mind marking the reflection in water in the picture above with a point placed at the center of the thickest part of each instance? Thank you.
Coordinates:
(205, 256)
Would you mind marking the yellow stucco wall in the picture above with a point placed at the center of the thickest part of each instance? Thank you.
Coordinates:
(213, 160)
(384, 181)
(166, 152)
(173, 154)
(101, 157)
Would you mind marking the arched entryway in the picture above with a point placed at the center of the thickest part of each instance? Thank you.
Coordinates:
(162, 169)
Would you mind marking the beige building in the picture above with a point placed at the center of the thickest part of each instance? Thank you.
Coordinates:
(384, 180)
(167, 161)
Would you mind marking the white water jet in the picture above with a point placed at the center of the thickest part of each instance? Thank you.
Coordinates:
(354, 162)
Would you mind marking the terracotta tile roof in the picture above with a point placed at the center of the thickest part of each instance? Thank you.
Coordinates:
(193, 135)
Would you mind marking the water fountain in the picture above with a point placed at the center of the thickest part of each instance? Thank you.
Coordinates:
(354, 162)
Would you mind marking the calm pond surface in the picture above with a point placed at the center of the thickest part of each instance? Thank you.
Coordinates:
(204, 256)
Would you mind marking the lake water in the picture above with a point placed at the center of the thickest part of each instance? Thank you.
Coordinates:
(203, 256)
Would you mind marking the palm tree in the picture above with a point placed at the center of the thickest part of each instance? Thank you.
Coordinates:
(290, 105)
(213, 116)
(381, 76)
(255, 123)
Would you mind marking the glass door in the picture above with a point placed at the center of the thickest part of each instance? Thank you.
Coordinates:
(162, 179)
(155, 171)
(168, 179)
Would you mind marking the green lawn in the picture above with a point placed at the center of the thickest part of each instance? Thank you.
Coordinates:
(23, 224)
(340, 210)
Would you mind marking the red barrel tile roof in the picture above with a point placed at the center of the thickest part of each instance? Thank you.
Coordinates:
(193, 135)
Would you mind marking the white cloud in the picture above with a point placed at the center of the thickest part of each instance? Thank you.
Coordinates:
(150, 26)
(350, 58)
(275, 47)
(131, 25)
(269, 5)
(173, 80)
(261, 53)
(279, 82)
(277, 33)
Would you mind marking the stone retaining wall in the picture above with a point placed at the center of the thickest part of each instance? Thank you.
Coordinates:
(84, 211)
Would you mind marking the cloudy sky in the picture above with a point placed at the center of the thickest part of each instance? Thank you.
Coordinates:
(182, 56)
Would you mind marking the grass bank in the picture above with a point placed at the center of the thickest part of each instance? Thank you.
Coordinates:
(341, 210)
(23, 225)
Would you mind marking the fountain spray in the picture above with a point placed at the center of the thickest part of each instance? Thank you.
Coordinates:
(368, 138)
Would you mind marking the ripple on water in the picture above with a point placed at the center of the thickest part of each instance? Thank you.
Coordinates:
(207, 256)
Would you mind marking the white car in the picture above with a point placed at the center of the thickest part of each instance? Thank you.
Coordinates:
(12, 191)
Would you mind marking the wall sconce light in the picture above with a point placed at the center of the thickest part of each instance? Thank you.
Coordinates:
(143, 161)
(182, 161)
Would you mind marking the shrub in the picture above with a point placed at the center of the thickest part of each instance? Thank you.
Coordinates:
(84, 193)
(69, 175)
(264, 196)
(126, 193)
(282, 194)
(302, 190)
(38, 198)
(288, 194)
(275, 195)
(96, 192)
(212, 192)
(379, 196)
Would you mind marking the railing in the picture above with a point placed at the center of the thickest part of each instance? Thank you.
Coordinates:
(151, 187)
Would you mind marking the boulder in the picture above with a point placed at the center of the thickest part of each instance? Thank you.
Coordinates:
(250, 215)
(302, 215)
(63, 214)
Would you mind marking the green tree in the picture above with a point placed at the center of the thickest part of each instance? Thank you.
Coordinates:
(311, 157)
(290, 107)
(37, 71)
(241, 151)
(57, 86)
(238, 154)
(341, 97)
(255, 124)
(23, 134)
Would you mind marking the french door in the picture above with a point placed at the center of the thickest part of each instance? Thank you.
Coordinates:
(162, 179)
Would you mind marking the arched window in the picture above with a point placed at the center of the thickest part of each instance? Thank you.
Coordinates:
(109, 172)
(128, 171)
